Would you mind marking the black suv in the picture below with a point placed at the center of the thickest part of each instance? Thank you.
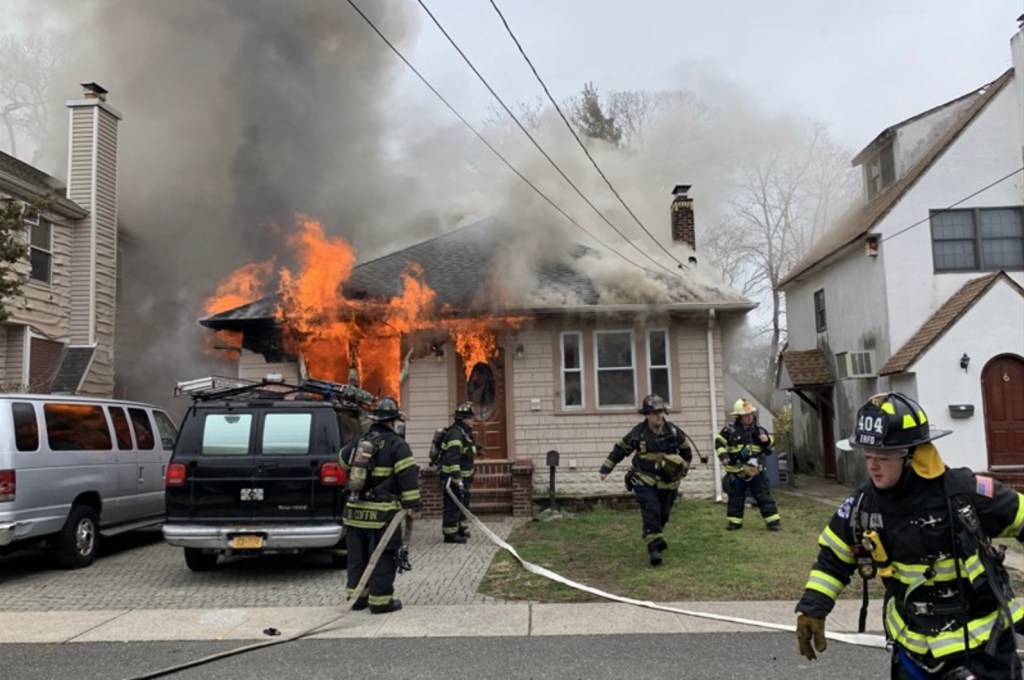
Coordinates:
(255, 468)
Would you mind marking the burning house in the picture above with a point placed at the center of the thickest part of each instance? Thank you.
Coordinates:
(555, 355)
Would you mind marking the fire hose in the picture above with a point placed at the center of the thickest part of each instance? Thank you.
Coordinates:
(861, 639)
(392, 527)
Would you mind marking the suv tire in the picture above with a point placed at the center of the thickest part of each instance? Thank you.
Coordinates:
(197, 560)
(77, 543)
(339, 559)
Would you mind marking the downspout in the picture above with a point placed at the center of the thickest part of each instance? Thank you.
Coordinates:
(714, 403)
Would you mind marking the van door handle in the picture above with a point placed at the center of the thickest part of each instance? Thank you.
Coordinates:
(271, 464)
(140, 474)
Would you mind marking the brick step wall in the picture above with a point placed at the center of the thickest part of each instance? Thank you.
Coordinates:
(499, 487)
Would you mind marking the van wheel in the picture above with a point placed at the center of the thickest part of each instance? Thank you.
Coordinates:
(197, 560)
(339, 559)
(77, 543)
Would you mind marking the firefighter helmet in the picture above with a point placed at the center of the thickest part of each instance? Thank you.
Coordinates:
(653, 403)
(464, 410)
(742, 407)
(386, 409)
(891, 420)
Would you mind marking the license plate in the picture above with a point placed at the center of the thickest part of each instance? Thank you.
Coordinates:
(247, 542)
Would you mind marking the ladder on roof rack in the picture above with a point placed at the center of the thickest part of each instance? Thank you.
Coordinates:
(220, 387)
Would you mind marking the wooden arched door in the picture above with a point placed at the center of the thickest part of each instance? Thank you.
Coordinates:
(485, 387)
(1002, 390)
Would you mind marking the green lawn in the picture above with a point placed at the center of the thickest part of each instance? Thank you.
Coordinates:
(603, 549)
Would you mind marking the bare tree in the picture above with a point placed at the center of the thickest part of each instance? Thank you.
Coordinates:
(785, 197)
(27, 68)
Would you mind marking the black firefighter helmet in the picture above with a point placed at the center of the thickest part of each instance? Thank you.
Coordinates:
(385, 409)
(653, 403)
(890, 420)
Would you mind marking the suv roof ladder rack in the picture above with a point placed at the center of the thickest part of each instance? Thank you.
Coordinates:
(220, 387)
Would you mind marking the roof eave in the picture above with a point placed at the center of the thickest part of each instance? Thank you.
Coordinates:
(60, 204)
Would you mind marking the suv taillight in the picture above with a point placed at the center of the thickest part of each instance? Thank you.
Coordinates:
(8, 484)
(175, 475)
(332, 474)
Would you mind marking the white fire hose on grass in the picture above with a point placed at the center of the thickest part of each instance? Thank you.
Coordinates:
(861, 639)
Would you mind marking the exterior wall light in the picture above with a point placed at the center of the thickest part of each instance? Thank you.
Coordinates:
(964, 361)
(520, 352)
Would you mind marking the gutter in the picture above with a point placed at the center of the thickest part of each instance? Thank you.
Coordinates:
(714, 403)
(60, 204)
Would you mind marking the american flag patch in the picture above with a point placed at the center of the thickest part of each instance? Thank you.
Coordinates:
(986, 487)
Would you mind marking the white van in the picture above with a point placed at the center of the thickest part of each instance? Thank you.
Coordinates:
(72, 468)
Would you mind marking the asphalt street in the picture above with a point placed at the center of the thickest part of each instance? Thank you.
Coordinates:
(766, 656)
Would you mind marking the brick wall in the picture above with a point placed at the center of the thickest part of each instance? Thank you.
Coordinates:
(499, 488)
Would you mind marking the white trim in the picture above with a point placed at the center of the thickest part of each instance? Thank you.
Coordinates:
(26, 348)
(713, 394)
(667, 367)
(94, 168)
(581, 370)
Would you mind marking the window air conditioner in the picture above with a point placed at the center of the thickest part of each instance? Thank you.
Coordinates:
(856, 364)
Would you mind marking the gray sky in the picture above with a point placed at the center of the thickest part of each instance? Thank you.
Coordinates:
(860, 66)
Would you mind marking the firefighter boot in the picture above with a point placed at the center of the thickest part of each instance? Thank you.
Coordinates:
(654, 554)
(732, 526)
(774, 526)
(392, 606)
(454, 538)
(360, 604)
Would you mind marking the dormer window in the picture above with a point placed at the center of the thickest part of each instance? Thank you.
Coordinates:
(880, 171)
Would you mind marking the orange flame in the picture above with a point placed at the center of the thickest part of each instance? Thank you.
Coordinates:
(333, 334)
(241, 286)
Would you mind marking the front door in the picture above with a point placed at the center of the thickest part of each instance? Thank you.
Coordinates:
(1002, 389)
(485, 387)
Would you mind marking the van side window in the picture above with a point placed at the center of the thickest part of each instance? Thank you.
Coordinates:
(143, 429)
(168, 432)
(121, 429)
(226, 434)
(77, 427)
(287, 433)
(26, 427)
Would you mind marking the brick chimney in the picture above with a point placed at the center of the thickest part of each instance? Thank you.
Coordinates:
(682, 217)
(92, 184)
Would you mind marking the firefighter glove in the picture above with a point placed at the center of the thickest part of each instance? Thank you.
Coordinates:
(808, 629)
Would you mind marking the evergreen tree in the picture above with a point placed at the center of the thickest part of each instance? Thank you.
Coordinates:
(592, 120)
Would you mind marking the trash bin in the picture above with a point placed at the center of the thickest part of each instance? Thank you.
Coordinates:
(771, 468)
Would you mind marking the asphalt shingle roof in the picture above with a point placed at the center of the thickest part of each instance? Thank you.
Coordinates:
(808, 368)
(941, 321)
(464, 267)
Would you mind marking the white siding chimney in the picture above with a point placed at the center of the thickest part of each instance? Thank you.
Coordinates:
(92, 184)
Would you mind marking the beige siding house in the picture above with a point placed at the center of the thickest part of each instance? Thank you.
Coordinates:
(567, 377)
(60, 334)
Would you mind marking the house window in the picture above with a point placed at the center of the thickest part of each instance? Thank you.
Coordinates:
(881, 171)
(40, 252)
(979, 239)
(572, 370)
(658, 365)
(820, 322)
(615, 369)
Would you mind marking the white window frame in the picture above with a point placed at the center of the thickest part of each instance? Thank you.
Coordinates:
(667, 366)
(578, 370)
(598, 369)
(38, 221)
(976, 239)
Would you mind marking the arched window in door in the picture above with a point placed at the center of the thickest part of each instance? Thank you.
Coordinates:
(480, 389)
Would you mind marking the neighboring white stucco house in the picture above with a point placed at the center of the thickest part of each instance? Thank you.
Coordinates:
(60, 334)
(906, 295)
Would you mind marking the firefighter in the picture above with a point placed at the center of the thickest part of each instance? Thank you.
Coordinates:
(742, 446)
(661, 458)
(926, 530)
(391, 481)
(458, 451)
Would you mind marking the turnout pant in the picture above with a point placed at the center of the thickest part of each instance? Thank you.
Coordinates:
(655, 508)
(361, 544)
(737, 488)
(452, 518)
(1003, 665)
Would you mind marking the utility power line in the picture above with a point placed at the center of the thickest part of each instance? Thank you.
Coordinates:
(536, 143)
(950, 207)
(577, 137)
(479, 136)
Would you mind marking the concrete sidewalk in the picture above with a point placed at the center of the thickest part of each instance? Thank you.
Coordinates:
(484, 620)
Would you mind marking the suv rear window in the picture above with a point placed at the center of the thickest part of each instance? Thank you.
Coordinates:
(286, 433)
(26, 429)
(226, 434)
